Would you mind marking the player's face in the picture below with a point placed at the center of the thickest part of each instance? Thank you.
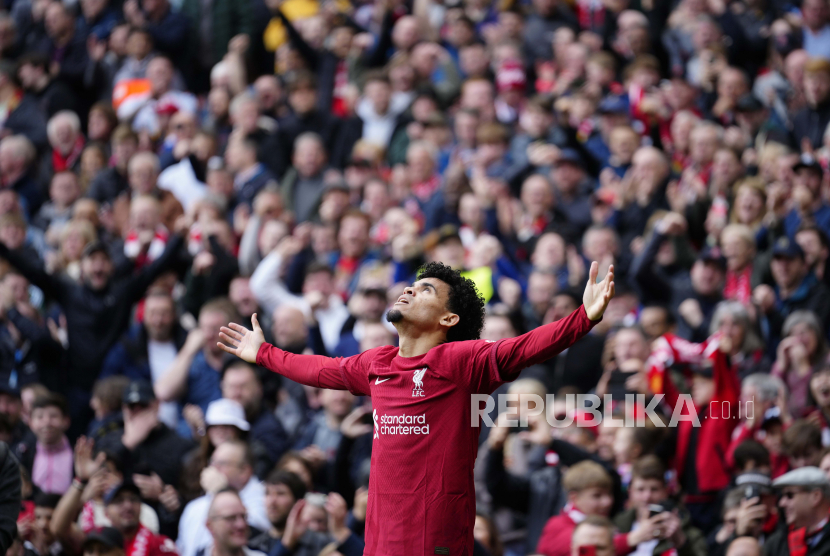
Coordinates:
(425, 301)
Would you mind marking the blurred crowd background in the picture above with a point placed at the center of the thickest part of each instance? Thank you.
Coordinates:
(170, 166)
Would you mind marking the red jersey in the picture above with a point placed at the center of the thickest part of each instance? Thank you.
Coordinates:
(147, 543)
(421, 494)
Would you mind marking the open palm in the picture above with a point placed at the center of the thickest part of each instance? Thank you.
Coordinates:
(597, 295)
(239, 341)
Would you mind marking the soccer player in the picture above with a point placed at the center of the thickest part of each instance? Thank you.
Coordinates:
(421, 495)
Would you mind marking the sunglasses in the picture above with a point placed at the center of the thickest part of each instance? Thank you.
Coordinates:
(790, 494)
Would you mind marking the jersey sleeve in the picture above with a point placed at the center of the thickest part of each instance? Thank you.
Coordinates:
(494, 363)
(334, 373)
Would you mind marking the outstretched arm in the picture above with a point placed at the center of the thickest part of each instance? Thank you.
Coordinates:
(311, 370)
(540, 344)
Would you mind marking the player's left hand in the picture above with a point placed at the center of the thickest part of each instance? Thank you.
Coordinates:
(597, 295)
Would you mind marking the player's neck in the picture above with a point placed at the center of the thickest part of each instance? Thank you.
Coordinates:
(417, 345)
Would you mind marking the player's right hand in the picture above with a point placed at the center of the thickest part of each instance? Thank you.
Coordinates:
(238, 340)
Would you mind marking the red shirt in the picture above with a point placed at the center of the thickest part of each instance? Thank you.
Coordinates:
(421, 494)
(147, 543)
(556, 536)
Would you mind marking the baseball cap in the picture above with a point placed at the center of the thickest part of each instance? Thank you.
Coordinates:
(124, 486)
(712, 254)
(6, 388)
(139, 391)
(752, 478)
(612, 105)
(226, 412)
(808, 162)
(108, 536)
(787, 248)
(569, 156)
(95, 247)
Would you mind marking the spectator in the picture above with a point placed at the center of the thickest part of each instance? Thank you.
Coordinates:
(589, 494)
(123, 508)
(145, 443)
(241, 383)
(97, 311)
(52, 94)
(795, 288)
(106, 403)
(17, 157)
(167, 28)
(802, 350)
(802, 444)
(111, 182)
(593, 531)
(149, 349)
(319, 302)
(48, 456)
(231, 466)
(302, 184)
(809, 486)
(40, 539)
(648, 489)
(193, 377)
(65, 46)
(228, 525)
(809, 122)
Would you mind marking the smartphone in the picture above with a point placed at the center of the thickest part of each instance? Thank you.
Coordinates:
(616, 384)
(589, 550)
(655, 509)
(752, 491)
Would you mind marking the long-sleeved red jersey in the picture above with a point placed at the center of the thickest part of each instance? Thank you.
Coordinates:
(421, 494)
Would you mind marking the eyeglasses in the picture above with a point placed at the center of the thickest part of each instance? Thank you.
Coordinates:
(790, 494)
(232, 518)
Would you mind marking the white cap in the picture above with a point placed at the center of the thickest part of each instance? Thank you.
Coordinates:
(226, 412)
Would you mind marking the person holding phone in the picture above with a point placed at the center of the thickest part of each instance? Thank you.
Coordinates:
(653, 523)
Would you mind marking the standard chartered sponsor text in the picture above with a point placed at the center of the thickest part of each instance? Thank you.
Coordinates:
(403, 424)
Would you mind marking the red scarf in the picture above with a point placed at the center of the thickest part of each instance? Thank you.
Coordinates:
(62, 163)
(738, 285)
(424, 190)
(797, 539)
(341, 81)
(138, 545)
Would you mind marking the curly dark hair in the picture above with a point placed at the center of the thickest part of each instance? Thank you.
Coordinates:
(465, 301)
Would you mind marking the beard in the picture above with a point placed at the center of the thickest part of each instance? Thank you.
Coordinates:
(394, 315)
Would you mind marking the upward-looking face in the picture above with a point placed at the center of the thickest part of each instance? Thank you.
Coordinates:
(423, 303)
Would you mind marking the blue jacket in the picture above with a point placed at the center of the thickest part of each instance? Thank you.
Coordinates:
(128, 357)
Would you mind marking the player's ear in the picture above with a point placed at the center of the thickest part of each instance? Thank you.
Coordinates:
(450, 319)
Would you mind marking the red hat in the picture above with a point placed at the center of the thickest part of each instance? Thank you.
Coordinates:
(511, 77)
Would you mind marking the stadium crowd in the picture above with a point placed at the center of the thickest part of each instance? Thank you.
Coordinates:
(170, 166)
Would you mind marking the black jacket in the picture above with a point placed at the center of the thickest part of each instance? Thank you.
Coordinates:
(95, 319)
(28, 119)
(777, 544)
(162, 452)
(107, 185)
(810, 123)
(540, 494)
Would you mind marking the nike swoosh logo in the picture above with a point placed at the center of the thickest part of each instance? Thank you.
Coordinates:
(378, 380)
